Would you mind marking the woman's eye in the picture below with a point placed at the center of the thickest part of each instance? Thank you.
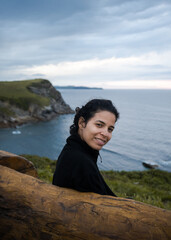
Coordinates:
(98, 124)
(110, 130)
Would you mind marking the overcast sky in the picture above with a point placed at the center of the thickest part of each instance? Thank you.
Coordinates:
(100, 43)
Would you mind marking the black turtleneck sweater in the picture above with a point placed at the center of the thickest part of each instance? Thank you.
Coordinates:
(77, 168)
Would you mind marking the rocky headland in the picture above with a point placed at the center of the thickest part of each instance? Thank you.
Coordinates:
(29, 101)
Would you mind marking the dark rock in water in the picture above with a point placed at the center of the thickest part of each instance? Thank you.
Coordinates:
(15, 115)
(150, 165)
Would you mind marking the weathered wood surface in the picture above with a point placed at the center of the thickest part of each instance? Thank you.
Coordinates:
(17, 163)
(32, 209)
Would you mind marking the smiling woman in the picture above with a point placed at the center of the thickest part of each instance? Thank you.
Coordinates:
(77, 164)
(98, 130)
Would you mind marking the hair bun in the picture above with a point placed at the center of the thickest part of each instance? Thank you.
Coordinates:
(77, 110)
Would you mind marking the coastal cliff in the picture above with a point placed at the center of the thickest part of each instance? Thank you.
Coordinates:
(29, 101)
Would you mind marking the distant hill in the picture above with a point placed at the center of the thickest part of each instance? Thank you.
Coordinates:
(77, 87)
(29, 101)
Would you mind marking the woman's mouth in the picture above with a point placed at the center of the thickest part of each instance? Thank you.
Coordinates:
(100, 141)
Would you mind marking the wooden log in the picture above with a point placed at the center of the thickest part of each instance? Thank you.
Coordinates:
(33, 209)
(17, 163)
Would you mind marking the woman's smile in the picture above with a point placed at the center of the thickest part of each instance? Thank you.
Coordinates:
(100, 141)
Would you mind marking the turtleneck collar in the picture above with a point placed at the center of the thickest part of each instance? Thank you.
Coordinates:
(75, 139)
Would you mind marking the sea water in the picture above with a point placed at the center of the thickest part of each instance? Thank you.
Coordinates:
(142, 134)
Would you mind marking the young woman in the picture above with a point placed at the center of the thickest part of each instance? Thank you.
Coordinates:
(77, 164)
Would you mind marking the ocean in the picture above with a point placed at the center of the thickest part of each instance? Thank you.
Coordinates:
(142, 134)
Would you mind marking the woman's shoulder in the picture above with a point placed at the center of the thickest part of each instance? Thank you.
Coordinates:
(76, 156)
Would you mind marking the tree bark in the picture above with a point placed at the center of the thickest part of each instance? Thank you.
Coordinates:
(17, 163)
(32, 209)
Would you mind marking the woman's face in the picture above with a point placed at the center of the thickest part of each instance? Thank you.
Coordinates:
(98, 130)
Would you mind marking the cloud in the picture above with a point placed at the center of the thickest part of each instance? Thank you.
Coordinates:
(147, 70)
(85, 41)
(136, 84)
(109, 65)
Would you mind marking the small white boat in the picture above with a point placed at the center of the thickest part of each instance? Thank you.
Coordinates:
(16, 132)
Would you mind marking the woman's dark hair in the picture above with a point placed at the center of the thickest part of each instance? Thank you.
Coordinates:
(90, 109)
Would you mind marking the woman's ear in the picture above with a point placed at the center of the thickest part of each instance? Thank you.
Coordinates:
(81, 123)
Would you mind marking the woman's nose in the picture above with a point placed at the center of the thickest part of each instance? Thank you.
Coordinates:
(105, 132)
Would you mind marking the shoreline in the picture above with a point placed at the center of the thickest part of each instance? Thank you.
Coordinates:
(19, 121)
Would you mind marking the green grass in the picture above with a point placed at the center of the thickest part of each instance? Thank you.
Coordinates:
(16, 93)
(151, 186)
(45, 166)
(6, 111)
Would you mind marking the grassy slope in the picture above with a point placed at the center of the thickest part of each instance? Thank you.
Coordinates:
(152, 186)
(16, 93)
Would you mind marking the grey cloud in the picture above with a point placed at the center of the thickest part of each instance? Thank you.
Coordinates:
(37, 32)
(38, 75)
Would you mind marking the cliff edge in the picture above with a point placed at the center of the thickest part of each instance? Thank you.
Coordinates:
(29, 101)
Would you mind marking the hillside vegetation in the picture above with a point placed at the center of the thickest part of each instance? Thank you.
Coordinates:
(18, 94)
(151, 186)
(29, 101)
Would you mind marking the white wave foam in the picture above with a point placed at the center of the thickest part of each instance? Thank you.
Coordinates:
(16, 132)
